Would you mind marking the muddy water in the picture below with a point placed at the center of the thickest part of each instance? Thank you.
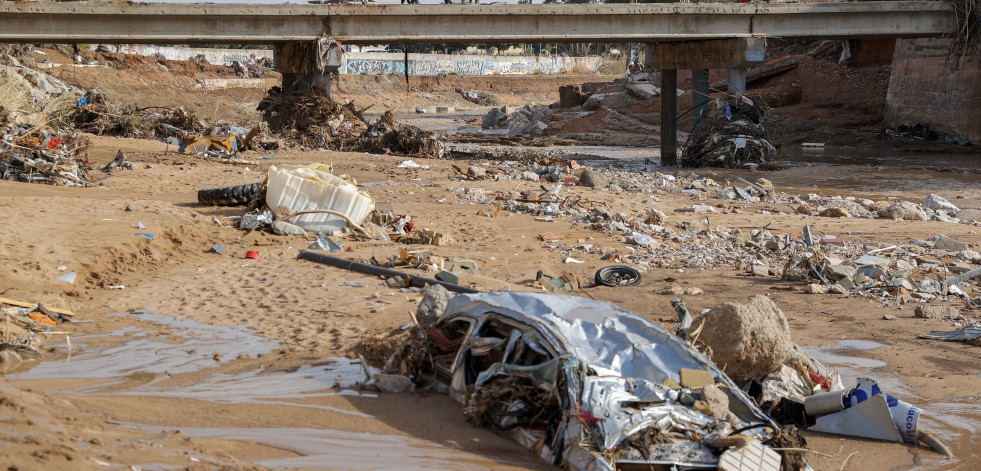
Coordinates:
(956, 422)
(844, 169)
(171, 344)
(336, 450)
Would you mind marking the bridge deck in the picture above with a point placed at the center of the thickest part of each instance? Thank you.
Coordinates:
(381, 24)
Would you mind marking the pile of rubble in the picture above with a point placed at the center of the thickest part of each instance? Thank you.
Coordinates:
(529, 120)
(895, 275)
(43, 155)
(733, 135)
(95, 114)
(314, 120)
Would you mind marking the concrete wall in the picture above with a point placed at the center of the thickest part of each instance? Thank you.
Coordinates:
(178, 53)
(375, 63)
(922, 90)
(372, 63)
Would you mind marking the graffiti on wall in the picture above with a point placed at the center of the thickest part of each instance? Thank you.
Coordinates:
(435, 64)
(369, 67)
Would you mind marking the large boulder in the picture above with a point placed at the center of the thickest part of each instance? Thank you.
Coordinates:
(432, 305)
(749, 337)
(593, 178)
(937, 202)
(905, 210)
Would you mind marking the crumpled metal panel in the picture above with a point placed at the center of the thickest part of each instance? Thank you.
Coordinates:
(631, 356)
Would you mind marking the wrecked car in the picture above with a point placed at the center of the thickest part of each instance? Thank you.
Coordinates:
(588, 386)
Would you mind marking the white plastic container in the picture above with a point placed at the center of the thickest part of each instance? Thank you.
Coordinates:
(307, 187)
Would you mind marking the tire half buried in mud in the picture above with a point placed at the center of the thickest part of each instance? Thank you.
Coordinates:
(238, 195)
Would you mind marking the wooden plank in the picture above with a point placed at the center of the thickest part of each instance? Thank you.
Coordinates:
(14, 302)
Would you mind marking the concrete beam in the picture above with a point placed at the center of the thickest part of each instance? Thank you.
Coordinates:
(168, 23)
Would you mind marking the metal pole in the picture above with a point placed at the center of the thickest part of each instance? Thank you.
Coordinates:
(669, 111)
(418, 282)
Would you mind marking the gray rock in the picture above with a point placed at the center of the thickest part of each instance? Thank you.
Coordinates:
(970, 255)
(593, 179)
(837, 272)
(530, 176)
(930, 311)
(726, 194)
(760, 270)
(432, 305)
(477, 172)
(643, 90)
(942, 242)
(392, 383)
(218, 249)
(284, 228)
(936, 202)
(866, 260)
(697, 208)
(536, 128)
(905, 210)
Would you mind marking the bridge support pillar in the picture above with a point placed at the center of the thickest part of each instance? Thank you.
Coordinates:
(699, 56)
(669, 117)
(308, 66)
(737, 80)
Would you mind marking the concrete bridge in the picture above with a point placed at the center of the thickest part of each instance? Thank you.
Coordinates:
(308, 37)
(380, 24)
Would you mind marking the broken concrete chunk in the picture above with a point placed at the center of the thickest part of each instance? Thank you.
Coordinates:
(814, 288)
(760, 270)
(904, 210)
(695, 379)
(930, 311)
(713, 402)
(937, 202)
(218, 249)
(643, 90)
(432, 305)
(697, 208)
(837, 272)
(477, 172)
(284, 228)
(942, 242)
(749, 337)
(866, 260)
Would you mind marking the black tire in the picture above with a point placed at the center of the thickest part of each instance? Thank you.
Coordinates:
(617, 276)
(238, 195)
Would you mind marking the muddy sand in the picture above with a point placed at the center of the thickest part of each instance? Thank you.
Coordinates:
(207, 361)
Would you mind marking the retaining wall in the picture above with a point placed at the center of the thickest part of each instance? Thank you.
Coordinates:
(923, 90)
(374, 63)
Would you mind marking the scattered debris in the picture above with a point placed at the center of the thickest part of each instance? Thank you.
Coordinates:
(732, 136)
(314, 120)
(970, 334)
(43, 155)
(532, 371)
